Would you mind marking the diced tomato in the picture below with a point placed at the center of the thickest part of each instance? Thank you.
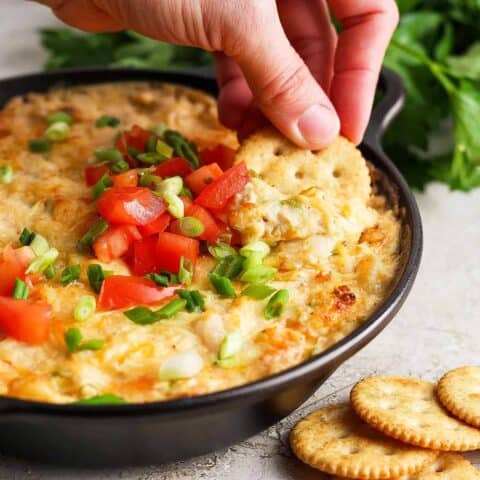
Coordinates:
(32, 279)
(136, 137)
(174, 166)
(130, 205)
(216, 195)
(220, 154)
(202, 177)
(93, 173)
(144, 259)
(25, 320)
(187, 202)
(157, 226)
(172, 247)
(115, 242)
(13, 265)
(122, 291)
(126, 179)
(212, 230)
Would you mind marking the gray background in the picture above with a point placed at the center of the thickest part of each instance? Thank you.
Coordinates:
(437, 330)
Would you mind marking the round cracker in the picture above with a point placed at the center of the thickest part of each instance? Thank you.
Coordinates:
(459, 392)
(447, 466)
(334, 440)
(407, 409)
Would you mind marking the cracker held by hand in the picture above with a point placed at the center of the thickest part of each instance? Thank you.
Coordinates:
(448, 466)
(459, 393)
(334, 440)
(407, 409)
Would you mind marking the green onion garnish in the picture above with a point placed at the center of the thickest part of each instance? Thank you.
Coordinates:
(222, 285)
(94, 344)
(26, 237)
(175, 207)
(159, 129)
(230, 346)
(119, 167)
(163, 149)
(63, 117)
(182, 147)
(42, 262)
(6, 174)
(276, 305)
(172, 277)
(133, 152)
(258, 274)
(110, 155)
(194, 299)
(185, 192)
(96, 276)
(39, 146)
(84, 244)
(190, 226)
(70, 274)
(185, 272)
(107, 399)
(171, 185)
(85, 308)
(221, 250)
(151, 158)
(147, 179)
(160, 280)
(258, 291)
(150, 144)
(20, 290)
(101, 186)
(57, 132)
(260, 248)
(107, 121)
(50, 272)
(39, 244)
(73, 339)
(230, 266)
(172, 308)
(145, 316)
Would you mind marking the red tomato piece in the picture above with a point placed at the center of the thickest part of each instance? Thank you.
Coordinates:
(187, 202)
(157, 226)
(220, 154)
(13, 265)
(144, 259)
(136, 137)
(202, 177)
(25, 320)
(216, 195)
(93, 173)
(212, 231)
(126, 179)
(173, 167)
(122, 291)
(115, 242)
(172, 247)
(130, 205)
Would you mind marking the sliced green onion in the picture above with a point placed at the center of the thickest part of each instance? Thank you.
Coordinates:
(26, 237)
(190, 226)
(152, 158)
(50, 272)
(230, 266)
(163, 149)
(39, 146)
(221, 250)
(20, 290)
(229, 362)
(276, 305)
(258, 291)
(150, 144)
(106, 399)
(182, 147)
(222, 285)
(70, 274)
(84, 244)
(107, 121)
(110, 155)
(6, 174)
(171, 308)
(145, 316)
(159, 129)
(73, 338)
(42, 262)
(194, 299)
(181, 365)
(101, 186)
(185, 192)
(149, 180)
(94, 344)
(63, 117)
(160, 280)
(230, 346)
(119, 167)
(39, 244)
(171, 185)
(84, 308)
(185, 272)
(133, 152)
(95, 276)
(172, 277)
(258, 274)
(175, 207)
(260, 248)
(57, 132)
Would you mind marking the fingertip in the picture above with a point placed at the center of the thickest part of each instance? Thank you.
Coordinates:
(318, 127)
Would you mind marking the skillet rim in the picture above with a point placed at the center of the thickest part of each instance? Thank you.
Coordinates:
(330, 358)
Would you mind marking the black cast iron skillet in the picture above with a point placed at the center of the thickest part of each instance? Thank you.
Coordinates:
(164, 431)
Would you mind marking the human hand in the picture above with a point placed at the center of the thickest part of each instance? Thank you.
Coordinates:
(282, 58)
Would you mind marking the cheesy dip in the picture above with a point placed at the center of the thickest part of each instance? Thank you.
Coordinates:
(144, 256)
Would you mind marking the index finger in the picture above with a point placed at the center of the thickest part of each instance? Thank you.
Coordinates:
(367, 28)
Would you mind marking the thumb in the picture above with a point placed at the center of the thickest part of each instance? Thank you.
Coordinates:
(282, 85)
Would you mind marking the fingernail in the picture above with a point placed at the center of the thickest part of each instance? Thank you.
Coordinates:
(318, 126)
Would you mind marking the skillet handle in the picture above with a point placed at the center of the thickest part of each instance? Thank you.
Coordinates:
(392, 101)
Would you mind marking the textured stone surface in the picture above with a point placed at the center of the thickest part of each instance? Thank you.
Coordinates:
(438, 328)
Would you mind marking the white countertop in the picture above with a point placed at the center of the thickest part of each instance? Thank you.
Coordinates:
(438, 328)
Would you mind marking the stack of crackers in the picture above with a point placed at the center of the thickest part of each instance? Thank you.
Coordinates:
(396, 428)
